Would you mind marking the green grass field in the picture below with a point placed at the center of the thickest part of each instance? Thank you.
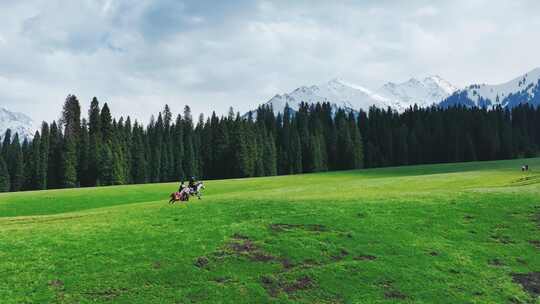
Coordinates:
(451, 233)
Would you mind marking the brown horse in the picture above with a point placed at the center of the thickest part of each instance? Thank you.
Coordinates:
(182, 196)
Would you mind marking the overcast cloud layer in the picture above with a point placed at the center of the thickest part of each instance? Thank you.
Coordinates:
(139, 55)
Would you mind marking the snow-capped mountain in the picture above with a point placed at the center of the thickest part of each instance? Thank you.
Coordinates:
(431, 90)
(17, 122)
(336, 91)
(341, 93)
(522, 89)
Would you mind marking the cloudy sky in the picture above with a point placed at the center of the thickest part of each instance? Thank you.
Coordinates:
(139, 55)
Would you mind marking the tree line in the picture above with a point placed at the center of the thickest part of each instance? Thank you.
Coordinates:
(100, 150)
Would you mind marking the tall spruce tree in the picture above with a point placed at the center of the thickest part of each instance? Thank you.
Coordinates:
(44, 157)
(95, 141)
(71, 121)
(5, 181)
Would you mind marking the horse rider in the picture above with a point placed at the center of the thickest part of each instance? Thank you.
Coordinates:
(191, 183)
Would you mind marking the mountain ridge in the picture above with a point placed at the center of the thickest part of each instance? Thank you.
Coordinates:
(17, 122)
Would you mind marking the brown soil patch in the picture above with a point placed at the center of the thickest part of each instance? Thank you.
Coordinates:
(241, 246)
(535, 243)
(56, 283)
(244, 246)
(390, 291)
(223, 280)
(274, 286)
(238, 236)
(503, 239)
(286, 263)
(394, 294)
(289, 227)
(340, 255)
(202, 262)
(529, 281)
(366, 257)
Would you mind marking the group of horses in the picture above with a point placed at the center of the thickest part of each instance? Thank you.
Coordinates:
(186, 193)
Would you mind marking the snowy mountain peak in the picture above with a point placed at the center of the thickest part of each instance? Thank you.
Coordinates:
(16, 122)
(345, 94)
(441, 83)
(425, 92)
(522, 89)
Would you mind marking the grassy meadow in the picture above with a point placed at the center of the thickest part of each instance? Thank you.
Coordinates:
(449, 233)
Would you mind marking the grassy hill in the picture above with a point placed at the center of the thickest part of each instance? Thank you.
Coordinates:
(451, 233)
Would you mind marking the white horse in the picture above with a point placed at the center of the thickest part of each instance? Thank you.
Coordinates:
(197, 190)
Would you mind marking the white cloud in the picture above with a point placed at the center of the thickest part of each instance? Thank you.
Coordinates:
(140, 55)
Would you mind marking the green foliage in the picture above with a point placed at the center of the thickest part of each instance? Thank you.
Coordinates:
(446, 233)
(4, 176)
(317, 137)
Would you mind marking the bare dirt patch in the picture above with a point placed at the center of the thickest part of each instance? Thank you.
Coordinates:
(275, 286)
(394, 294)
(340, 255)
(291, 227)
(223, 280)
(390, 292)
(366, 257)
(238, 246)
(202, 262)
(529, 281)
(503, 239)
(535, 243)
(287, 264)
(245, 247)
(56, 283)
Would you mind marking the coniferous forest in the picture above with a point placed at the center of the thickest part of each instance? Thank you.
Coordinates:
(101, 150)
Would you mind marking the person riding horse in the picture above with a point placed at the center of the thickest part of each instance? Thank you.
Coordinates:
(192, 183)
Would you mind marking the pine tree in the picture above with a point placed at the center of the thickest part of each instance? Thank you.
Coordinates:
(33, 166)
(71, 121)
(6, 144)
(138, 167)
(4, 176)
(55, 159)
(178, 147)
(44, 157)
(84, 159)
(106, 124)
(270, 156)
(68, 175)
(95, 140)
(106, 166)
(189, 164)
(16, 165)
